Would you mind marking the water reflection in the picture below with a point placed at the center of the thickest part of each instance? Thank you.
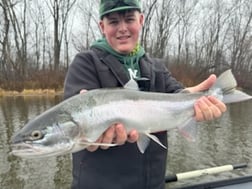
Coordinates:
(224, 141)
(21, 173)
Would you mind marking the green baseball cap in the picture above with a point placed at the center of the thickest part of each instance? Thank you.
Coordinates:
(109, 6)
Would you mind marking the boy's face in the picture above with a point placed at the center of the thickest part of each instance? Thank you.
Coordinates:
(122, 29)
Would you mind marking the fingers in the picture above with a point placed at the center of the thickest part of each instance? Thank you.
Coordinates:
(116, 134)
(205, 85)
(120, 134)
(83, 91)
(208, 108)
(93, 148)
(221, 106)
(108, 137)
(203, 109)
(133, 136)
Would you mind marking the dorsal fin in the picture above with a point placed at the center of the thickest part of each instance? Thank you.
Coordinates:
(131, 84)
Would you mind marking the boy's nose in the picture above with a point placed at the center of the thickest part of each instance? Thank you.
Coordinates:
(122, 26)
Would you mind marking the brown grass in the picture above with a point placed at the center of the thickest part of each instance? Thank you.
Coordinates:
(30, 92)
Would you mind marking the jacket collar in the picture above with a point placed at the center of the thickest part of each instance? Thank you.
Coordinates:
(117, 68)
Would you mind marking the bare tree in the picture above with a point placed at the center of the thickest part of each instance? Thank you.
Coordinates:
(4, 42)
(41, 35)
(241, 40)
(16, 63)
(166, 23)
(90, 30)
(149, 7)
(60, 10)
(185, 11)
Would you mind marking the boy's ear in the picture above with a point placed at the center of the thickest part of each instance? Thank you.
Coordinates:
(101, 24)
(141, 19)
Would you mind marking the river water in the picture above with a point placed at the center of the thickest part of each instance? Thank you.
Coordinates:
(227, 140)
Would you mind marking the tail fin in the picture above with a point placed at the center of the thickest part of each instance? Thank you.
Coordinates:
(226, 82)
(236, 96)
(226, 85)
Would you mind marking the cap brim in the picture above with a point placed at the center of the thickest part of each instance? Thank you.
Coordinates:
(119, 9)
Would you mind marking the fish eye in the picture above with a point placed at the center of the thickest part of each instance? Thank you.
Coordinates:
(36, 134)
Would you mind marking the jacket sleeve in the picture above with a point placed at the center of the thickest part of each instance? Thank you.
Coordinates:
(164, 78)
(81, 75)
(172, 85)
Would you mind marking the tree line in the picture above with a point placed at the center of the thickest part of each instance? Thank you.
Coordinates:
(38, 39)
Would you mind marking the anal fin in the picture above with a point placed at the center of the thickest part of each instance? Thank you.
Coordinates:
(189, 130)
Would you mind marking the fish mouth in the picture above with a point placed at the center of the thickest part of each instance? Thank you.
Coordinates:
(29, 150)
(23, 149)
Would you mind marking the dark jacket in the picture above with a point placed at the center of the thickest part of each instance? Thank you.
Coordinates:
(122, 167)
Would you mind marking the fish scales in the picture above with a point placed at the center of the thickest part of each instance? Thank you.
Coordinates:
(79, 121)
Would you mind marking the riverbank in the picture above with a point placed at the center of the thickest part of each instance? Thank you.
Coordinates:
(31, 92)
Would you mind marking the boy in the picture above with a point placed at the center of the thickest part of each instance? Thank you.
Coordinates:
(111, 62)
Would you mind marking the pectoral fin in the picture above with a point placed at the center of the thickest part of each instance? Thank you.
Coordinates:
(155, 139)
(143, 143)
(131, 84)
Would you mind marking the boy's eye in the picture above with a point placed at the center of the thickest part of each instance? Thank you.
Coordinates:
(113, 21)
(130, 19)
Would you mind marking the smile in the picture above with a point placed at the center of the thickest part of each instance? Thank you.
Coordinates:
(123, 37)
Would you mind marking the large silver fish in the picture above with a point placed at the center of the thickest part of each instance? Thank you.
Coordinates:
(79, 121)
